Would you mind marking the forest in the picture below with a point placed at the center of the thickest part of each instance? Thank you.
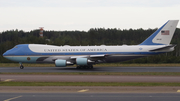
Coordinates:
(95, 36)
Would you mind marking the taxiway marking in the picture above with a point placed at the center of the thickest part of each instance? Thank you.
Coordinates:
(178, 91)
(7, 80)
(84, 90)
(13, 98)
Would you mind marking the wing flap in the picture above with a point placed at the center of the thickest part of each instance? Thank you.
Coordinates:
(90, 56)
(74, 57)
(97, 56)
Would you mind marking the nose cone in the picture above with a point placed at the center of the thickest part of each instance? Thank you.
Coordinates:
(9, 55)
(5, 54)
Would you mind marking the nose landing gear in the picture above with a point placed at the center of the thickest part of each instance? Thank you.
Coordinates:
(21, 66)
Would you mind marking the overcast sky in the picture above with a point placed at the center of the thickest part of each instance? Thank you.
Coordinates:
(60, 15)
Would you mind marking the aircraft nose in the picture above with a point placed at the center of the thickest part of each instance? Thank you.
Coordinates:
(8, 52)
(5, 54)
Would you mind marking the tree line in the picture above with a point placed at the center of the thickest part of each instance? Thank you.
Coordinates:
(95, 36)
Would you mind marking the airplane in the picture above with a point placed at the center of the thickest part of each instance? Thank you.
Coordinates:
(87, 56)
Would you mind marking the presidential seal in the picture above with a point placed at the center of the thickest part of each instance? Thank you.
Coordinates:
(28, 58)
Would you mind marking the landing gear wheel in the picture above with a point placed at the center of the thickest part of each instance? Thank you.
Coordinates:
(78, 67)
(85, 67)
(21, 67)
(91, 67)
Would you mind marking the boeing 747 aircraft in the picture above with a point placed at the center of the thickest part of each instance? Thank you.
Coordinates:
(87, 56)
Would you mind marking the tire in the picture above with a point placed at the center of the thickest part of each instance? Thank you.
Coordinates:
(21, 67)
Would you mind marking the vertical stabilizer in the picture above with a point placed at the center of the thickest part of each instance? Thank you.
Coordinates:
(163, 35)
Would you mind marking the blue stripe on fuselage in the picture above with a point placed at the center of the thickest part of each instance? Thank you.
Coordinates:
(23, 58)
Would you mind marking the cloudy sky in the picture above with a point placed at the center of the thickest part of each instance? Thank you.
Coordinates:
(82, 15)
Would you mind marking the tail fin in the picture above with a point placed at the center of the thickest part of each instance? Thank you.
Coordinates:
(163, 35)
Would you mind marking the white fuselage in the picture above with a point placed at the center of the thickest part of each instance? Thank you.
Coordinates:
(49, 53)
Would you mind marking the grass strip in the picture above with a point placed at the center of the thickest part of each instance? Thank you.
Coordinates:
(86, 84)
(97, 65)
(104, 73)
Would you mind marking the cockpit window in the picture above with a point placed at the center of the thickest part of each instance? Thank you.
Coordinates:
(16, 47)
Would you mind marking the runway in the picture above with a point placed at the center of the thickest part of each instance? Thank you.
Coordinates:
(96, 69)
(88, 89)
(85, 93)
(90, 96)
(88, 78)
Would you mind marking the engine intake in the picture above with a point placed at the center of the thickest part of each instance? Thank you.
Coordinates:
(62, 63)
(83, 61)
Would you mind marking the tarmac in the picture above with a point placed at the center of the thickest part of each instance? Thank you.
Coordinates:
(88, 78)
(95, 69)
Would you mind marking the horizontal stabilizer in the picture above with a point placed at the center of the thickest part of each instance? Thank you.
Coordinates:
(163, 48)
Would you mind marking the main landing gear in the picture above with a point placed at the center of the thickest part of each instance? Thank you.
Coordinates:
(21, 66)
(85, 67)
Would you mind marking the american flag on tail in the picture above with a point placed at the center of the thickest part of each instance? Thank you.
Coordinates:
(165, 32)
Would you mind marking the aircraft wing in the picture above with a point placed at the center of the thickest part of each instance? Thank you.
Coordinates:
(90, 56)
(80, 60)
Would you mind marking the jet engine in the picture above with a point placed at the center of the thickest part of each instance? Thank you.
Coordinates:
(83, 61)
(62, 63)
